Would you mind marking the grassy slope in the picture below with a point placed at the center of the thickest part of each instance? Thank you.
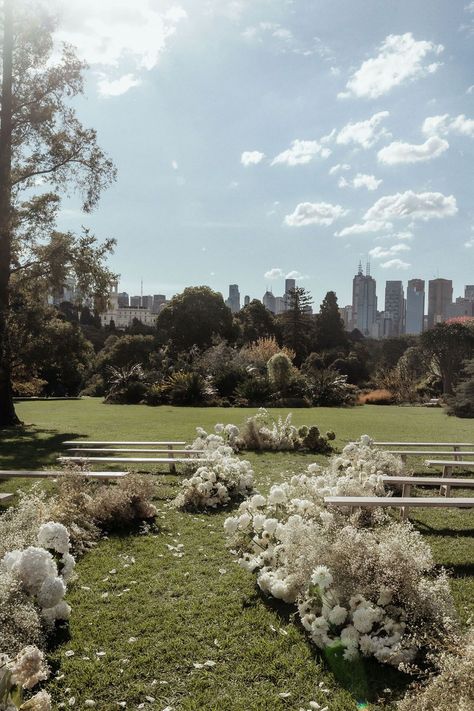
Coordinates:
(201, 606)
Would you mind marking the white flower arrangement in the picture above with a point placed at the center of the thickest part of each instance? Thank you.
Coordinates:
(54, 536)
(23, 672)
(374, 590)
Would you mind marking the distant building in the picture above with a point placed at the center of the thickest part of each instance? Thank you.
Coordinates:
(461, 307)
(383, 326)
(414, 320)
(67, 293)
(246, 300)
(346, 316)
(233, 302)
(135, 302)
(395, 305)
(281, 304)
(469, 292)
(124, 316)
(440, 297)
(290, 285)
(147, 302)
(364, 302)
(269, 301)
(123, 299)
(159, 301)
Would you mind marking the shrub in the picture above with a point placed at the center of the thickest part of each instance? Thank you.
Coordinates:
(126, 385)
(259, 353)
(280, 370)
(262, 432)
(253, 391)
(376, 397)
(461, 403)
(330, 389)
(186, 389)
(19, 618)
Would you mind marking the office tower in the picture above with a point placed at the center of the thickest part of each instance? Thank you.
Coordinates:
(147, 302)
(395, 305)
(469, 292)
(415, 311)
(281, 304)
(123, 300)
(461, 308)
(440, 297)
(346, 315)
(159, 300)
(290, 285)
(364, 301)
(233, 302)
(269, 301)
(135, 302)
(246, 300)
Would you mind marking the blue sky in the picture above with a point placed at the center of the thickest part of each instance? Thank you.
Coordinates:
(259, 138)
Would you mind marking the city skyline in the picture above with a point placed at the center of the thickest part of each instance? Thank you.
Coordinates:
(312, 143)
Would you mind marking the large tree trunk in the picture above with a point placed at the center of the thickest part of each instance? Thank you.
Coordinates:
(7, 410)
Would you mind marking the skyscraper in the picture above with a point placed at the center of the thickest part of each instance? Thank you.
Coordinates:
(159, 300)
(364, 301)
(269, 301)
(290, 285)
(233, 302)
(415, 306)
(123, 300)
(395, 305)
(440, 297)
(469, 292)
(246, 300)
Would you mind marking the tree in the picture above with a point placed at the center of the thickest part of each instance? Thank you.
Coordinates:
(330, 331)
(462, 403)
(256, 322)
(41, 138)
(195, 318)
(447, 346)
(297, 323)
(280, 371)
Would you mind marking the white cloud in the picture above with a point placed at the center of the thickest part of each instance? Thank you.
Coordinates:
(399, 152)
(415, 206)
(338, 168)
(444, 124)
(296, 275)
(383, 253)
(406, 235)
(275, 273)
(364, 133)
(469, 243)
(174, 164)
(301, 152)
(117, 87)
(108, 33)
(361, 180)
(251, 157)
(395, 264)
(364, 228)
(314, 213)
(401, 58)
(470, 89)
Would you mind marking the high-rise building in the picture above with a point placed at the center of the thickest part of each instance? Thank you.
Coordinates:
(469, 292)
(395, 305)
(290, 285)
(159, 300)
(246, 300)
(135, 302)
(440, 297)
(123, 300)
(147, 302)
(346, 316)
(233, 302)
(364, 301)
(461, 307)
(415, 306)
(281, 304)
(269, 301)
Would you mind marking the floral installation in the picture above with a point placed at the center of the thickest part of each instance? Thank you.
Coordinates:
(221, 480)
(360, 583)
(21, 674)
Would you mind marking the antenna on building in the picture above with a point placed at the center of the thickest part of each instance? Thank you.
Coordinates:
(360, 267)
(367, 270)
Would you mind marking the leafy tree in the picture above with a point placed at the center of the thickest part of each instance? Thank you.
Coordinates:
(255, 322)
(447, 346)
(42, 138)
(126, 351)
(462, 402)
(392, 349)
(297, 323)
(280, 370)
(329, 332)
(195, 318)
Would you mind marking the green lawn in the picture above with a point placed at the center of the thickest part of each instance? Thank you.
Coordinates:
(164, 613)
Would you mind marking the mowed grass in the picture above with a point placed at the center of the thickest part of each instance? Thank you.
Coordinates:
(177, 598)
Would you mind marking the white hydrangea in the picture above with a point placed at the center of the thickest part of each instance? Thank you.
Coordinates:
(51, 592)
(32, 566)
(322, 577)
(39, 702)
(277, 495)
(54, 536)
(28, 668)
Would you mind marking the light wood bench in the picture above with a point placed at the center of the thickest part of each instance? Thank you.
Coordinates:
(170, 452)
(4, 497)
(404, 453)
(408, 481)
(44, 474)
(449, 465)
(77, 443)
(402, 502)
(172, 461)
(455, 446)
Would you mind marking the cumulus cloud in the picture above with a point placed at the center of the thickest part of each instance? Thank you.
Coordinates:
(415, 206)
(117, 87)
(444, 124)
(339, 167)
(395, 264)
(399, 152)
(301, 152)
(296, 275)
(469, 243)
(364, 133)
(400, 59)
(361, 180)
(384, 252)
(111, 33)
(275, 273)
(314, 213)
(251, 157)
(364, 228)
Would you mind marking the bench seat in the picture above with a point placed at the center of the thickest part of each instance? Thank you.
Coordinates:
(172, 461)
(43, 474)
(423, 444)
(4, 497)
(402, 502)
(171, 452)
(86, 442)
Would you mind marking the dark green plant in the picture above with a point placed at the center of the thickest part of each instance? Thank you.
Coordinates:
(461, 403)
(186, 389)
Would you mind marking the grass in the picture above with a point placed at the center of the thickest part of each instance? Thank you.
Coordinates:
(199, 606)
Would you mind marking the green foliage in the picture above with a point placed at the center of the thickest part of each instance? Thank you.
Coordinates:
(255, 322)
(195, 318)
(447, 346)
(462, 402)
(186, 389)
(330, 389)
(124, 351)
(329, 331)
(254, 391)
(126, 385)
(280, 370)
(313, 441)
(297, 323)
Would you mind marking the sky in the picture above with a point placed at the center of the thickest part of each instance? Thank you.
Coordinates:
(258, 139)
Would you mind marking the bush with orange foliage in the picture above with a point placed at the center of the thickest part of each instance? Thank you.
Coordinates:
(259, 353)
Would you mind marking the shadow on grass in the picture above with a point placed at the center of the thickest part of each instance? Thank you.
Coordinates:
(428, 530)
(32, 447)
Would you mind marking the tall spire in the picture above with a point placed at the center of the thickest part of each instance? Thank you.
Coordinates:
(367, 270)
(360, 268)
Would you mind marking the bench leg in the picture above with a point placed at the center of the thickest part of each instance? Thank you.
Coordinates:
(458, 455)
(406, 490)
(403, 513)
(172, 468)
(447, 471)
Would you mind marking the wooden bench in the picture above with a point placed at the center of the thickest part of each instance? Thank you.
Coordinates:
(79, 443)
(455, 446)
(44, 474)
(449, 465)
(5, 497)
(170, 452)
(401, 502)
(404, 453)
(172, 461)
(408, 481)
